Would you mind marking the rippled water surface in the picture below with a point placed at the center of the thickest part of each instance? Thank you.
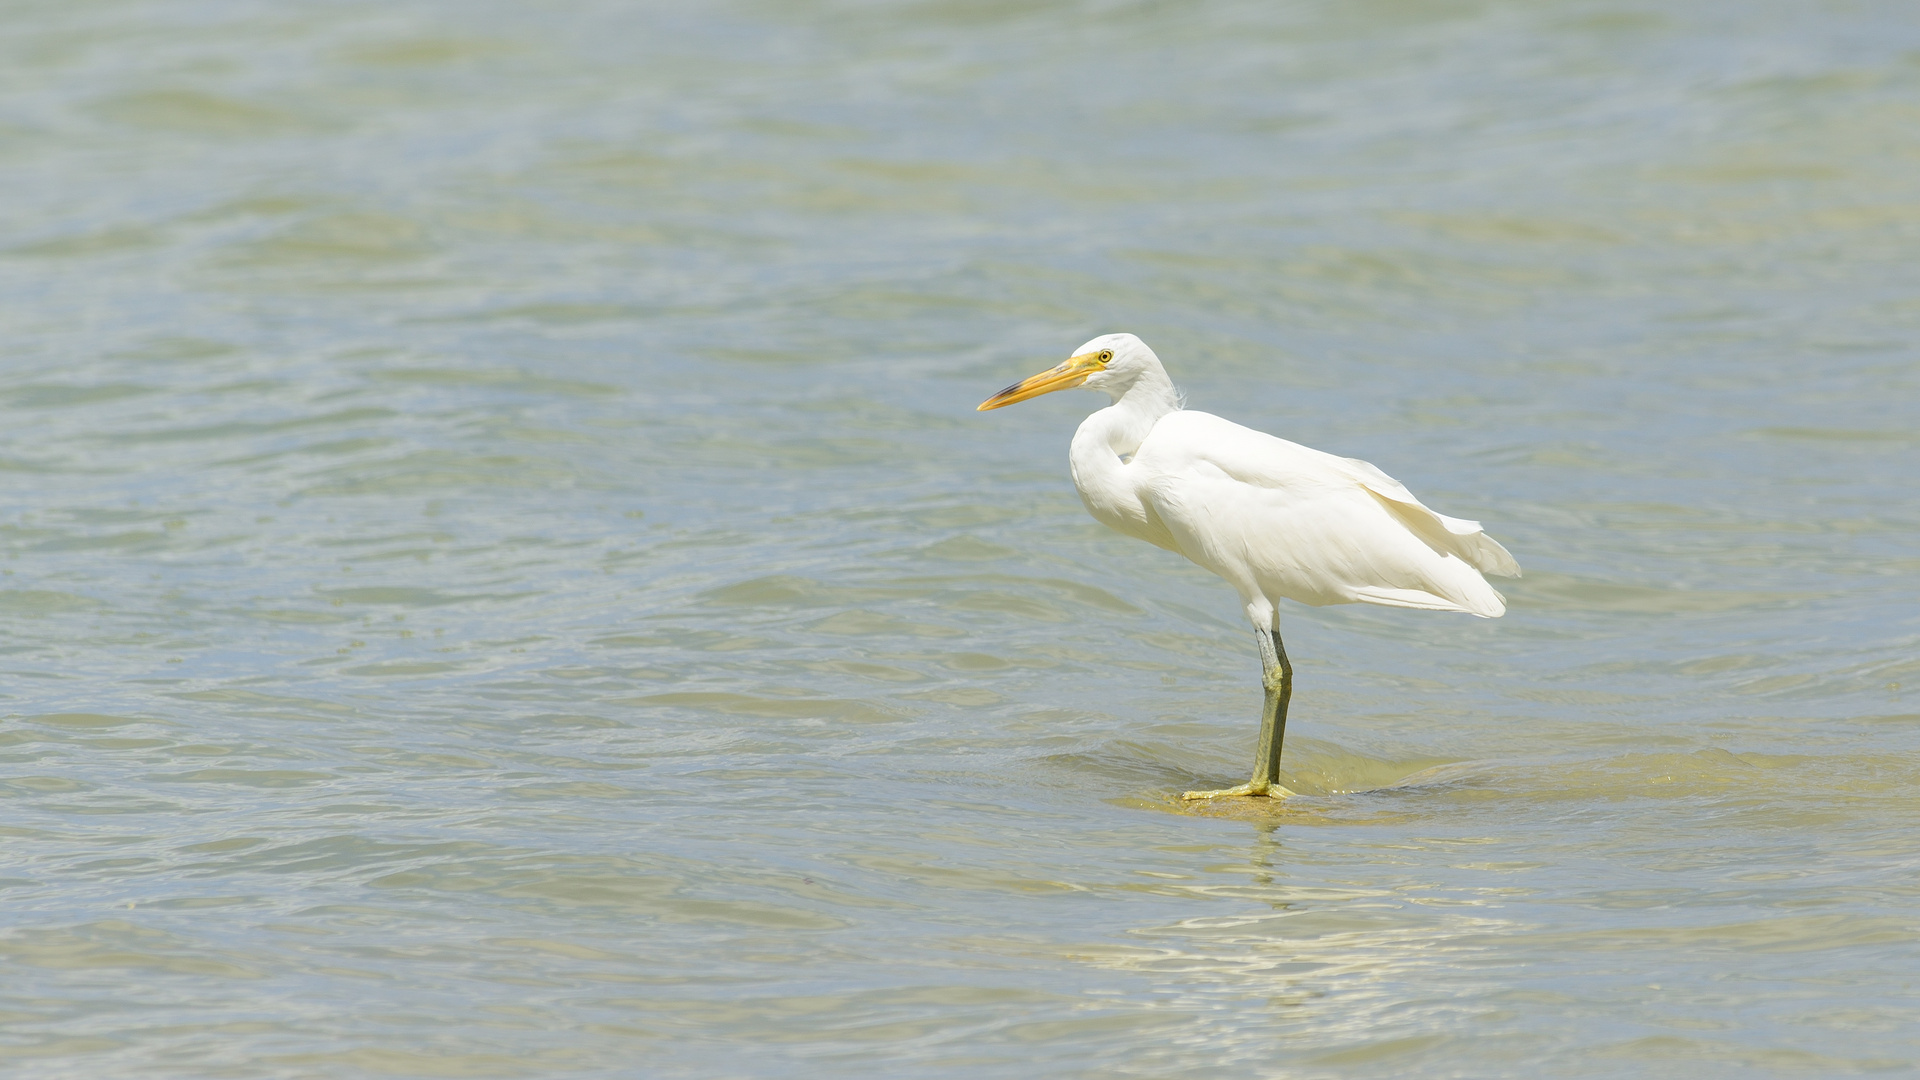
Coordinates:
(500, 574)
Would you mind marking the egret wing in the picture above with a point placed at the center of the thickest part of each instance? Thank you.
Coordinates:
(1277, 518)
(1457, 536)
(1257, 458)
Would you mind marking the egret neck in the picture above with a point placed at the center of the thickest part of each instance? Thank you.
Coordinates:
(1105, 444)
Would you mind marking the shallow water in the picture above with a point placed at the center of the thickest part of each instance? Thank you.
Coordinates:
(502, 575)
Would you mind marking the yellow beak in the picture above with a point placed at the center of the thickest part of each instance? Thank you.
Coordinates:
(1068, 374)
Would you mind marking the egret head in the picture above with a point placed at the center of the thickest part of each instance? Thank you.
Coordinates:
(1110, 362)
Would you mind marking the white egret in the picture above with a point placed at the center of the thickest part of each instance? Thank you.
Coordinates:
(1274, 518)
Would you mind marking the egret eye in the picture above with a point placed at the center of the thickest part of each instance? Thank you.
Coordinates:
(1106, 355)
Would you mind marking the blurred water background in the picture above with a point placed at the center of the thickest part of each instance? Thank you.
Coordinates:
(500, 574)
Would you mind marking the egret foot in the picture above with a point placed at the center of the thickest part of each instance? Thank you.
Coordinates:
(1273, 792)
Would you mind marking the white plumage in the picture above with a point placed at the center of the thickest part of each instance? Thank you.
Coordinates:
(1273, 518)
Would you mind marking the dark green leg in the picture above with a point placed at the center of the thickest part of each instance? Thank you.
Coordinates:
(1276, 676)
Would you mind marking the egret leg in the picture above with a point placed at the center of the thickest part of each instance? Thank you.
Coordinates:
(1276, 677)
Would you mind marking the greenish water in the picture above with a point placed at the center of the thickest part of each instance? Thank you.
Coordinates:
(500, 574)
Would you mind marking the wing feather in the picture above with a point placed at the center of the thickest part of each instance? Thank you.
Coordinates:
(1274, 516)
